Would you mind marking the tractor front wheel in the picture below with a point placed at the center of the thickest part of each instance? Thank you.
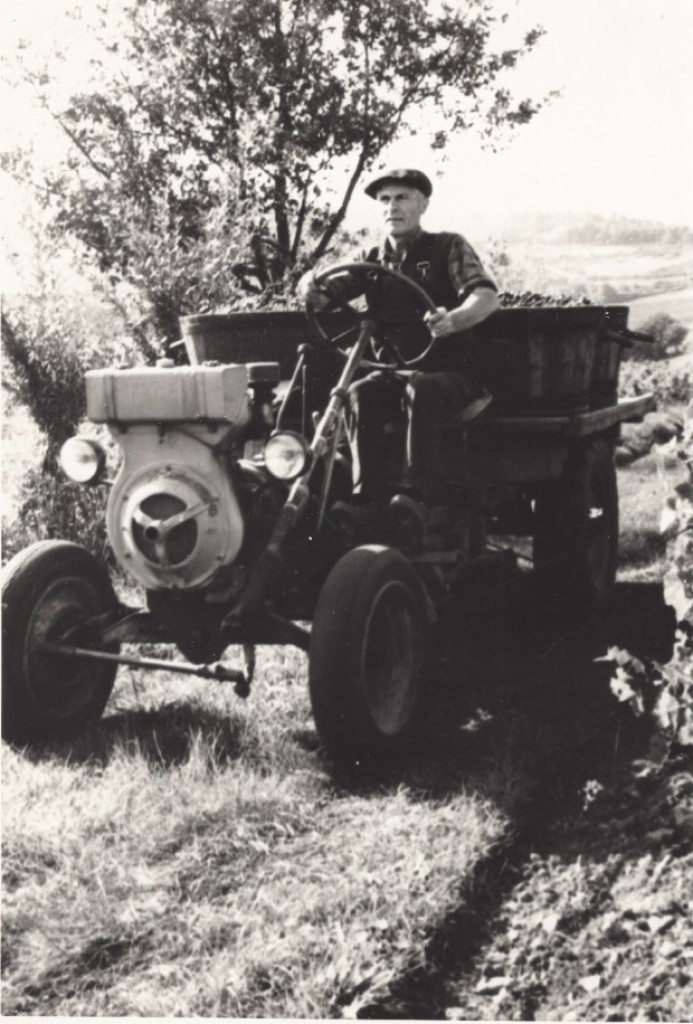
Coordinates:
(367, 653)
(49, 593)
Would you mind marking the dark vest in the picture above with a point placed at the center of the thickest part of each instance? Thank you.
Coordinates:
(426, 263)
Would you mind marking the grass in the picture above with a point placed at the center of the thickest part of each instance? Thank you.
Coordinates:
(678, 304)
(643, 487)
(197, 858)
(195, 855)
(640, 499)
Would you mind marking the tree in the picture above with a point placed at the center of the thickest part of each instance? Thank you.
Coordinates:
(261, 102)
(51, 332)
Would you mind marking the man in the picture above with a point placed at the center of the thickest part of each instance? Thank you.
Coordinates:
(449, 270)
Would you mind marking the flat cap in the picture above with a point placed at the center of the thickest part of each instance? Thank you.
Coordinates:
(401, 176)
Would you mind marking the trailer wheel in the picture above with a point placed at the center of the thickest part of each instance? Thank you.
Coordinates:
(576, 528)
(48, 591)
(367, 653)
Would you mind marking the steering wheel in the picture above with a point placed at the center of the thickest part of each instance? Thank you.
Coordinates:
(364, 319)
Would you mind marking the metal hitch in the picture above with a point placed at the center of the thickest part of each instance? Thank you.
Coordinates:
(242, 678)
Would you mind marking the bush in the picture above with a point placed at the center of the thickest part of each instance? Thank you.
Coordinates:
(53, 331)
(668, 339)
(664, 692)
(668, 385)
(44, 373)
(57, 509)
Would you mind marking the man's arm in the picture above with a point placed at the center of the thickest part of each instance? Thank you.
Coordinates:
(477, 291)
(346, 287)
(476, 307)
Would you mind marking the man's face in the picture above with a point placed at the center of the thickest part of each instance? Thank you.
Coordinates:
(402, 208)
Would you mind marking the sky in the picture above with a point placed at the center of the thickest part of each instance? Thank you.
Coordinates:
(618, 140)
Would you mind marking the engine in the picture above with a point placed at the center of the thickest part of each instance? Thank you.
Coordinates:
(173, 516)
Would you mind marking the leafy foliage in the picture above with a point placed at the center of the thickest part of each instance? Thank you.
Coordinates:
(668, 336)
(55, 508)
(669, 385)
(44, 374)
(51, 335)
(665, 691)
(535, 300)
(54, 331)
(243, 111)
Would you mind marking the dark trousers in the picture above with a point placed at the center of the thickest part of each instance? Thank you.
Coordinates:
(384, 405)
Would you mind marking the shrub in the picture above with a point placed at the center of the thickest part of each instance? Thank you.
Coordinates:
(669, 385)
(52, 331)
(668, 337)
(55, 508)
(44, 373)
(664, 692)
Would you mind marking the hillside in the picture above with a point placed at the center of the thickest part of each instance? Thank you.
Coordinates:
(608, 259)
(594, 229)
(678, 305)
(605, 273)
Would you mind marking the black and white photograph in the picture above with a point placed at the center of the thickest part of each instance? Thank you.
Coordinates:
(347, 510)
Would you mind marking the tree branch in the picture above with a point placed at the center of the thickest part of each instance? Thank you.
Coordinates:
(99, 168)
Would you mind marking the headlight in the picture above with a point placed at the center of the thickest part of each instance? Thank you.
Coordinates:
(287, 455)
(83, 460)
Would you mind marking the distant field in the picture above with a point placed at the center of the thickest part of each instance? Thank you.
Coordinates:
(678, 304)
(616, 262)
(660, 273)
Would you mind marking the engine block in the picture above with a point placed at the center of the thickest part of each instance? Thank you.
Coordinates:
(173, 515)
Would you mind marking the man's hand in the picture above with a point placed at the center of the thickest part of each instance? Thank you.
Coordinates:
(308, 291)
(441, 322)
(475, 308)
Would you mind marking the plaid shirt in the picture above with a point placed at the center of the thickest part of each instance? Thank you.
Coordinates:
(465, 269)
